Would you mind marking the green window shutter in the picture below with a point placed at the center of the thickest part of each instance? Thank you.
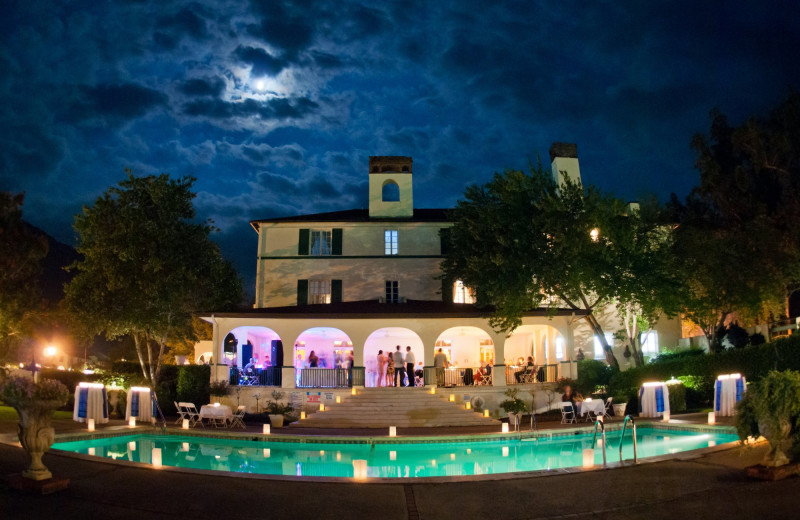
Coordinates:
(444, 237)
(302, 292)
(336, 248)
(302, 243)
(447, 290)
(336, 291)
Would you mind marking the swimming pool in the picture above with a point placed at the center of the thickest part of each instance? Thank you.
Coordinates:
(402, 459)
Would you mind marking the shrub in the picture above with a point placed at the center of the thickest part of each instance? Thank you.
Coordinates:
(591, 374)
(677, 397)
(193, 384)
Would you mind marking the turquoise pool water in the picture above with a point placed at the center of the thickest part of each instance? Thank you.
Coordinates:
(392, 460)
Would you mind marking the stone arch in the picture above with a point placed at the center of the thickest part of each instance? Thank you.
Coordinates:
(263, 344)
(539, 341)
(331, 345)
(468, 346)
(387, 339)
(390, 192)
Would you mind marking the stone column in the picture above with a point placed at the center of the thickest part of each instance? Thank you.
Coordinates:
(499, 369)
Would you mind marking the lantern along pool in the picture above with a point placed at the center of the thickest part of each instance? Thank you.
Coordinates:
(395, 458)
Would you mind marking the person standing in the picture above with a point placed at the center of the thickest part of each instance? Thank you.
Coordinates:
(410, 362)
(381, 368)
(440, 363)
(400, 367)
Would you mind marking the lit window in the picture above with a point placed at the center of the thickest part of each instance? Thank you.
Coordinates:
(321, 243)
(559, 347)
(598, 346)
(462, 293)
(392, 294)
(650, 343)
(319, 291)
(390, 241)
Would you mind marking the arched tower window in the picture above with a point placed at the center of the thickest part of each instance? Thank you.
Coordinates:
(391, 192)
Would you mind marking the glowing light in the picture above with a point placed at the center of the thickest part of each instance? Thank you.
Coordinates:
(185, 424)
(338, 456)
(392, 431)
(132, 445)
(267, 453)
(90, 424)
(260, 84)
(321, 407)
(468, 405)
(302, 415)
(452, 398)
(505, 451)
(433, 390)
(91, 451)
(452, 456)
(353, 392)
(712, 418)
(666, 416)
(338, 399)
(156, 457)
(360, 469)
(505, 428)
(588, 458)
(392, 455)
(132, 422)
(185, 446)
(265, 429)
(486, 413)
(594, 234)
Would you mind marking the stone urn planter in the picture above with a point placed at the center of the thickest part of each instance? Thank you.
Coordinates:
(619, 409)
(34, 403)
(276, 420)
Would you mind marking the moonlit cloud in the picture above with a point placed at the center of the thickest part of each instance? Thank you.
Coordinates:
(275, 106)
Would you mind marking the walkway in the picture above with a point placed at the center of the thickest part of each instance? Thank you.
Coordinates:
(712, 486)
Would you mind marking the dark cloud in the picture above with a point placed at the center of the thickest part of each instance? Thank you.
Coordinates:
(262, 62)
(185, 23)
(288, 26)
(203, 87)
(275, 108)
(114, 102)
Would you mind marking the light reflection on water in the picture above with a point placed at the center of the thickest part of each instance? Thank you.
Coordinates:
(385, 460)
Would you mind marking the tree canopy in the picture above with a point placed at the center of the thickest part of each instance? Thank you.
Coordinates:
(23, 251)
(521, 241)
(147, 266)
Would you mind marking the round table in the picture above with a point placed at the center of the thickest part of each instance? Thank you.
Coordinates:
(216, 412)
(596, 406)
(728, 390)
(91, 402)
(139, 404)
(653, 400)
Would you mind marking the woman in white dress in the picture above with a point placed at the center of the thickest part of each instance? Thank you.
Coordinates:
(381, 368)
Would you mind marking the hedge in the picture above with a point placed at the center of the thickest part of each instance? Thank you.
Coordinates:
(175, 383)
(698, 372)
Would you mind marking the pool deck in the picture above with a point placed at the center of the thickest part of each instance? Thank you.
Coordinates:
(712, 485)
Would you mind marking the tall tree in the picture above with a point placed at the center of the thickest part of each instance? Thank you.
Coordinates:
(520, 240)
(23, 251)
(739, 233)
(147, 266)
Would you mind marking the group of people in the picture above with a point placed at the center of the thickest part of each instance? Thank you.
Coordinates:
(393, 367)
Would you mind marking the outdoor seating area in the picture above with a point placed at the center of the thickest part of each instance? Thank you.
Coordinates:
(216, 415)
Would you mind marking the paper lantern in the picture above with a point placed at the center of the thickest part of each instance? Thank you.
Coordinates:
(392, 431)
(91, 451)
(712, 418)
(90, 424)
(156, 454)
(452, 398)
(711, 444)
(392, 455)
(338, 399)
(321, 407)
(353, 392)
(185, 424)
(302, 415)
(468, 405)
(265, 429)
(486, 413)
(588, 458)
(433, 390)
(360, 469)
(666, 416)
(505, 428)
(132, 422)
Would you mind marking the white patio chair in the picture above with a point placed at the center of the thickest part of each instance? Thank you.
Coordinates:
(568, 413)
(609, 408)
(238, 418)
(192, 414)
(181, 413)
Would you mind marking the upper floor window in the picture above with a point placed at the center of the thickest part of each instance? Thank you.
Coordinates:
(392, 293)
(321, 242)
(319, 291)
(391, 192)
(598, 346)
(650, 343)
(390, 241)
(462, 293)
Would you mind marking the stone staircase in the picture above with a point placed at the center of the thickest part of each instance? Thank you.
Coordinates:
(401, 407)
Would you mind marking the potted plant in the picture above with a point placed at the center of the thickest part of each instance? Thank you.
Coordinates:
(771, 408)
(619, 403)
(219, 389)
(34, 403)
(513, 406)
(276, 410)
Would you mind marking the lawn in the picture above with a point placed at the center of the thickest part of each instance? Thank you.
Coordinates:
(9, 414)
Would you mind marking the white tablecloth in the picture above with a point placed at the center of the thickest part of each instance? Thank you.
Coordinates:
(96, 404)
(727, 391)
(595, 405)
(453, 377)
(145, 404)
(653, 399)
(209, 411)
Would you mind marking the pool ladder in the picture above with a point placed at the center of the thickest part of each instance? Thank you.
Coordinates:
(602, 426)
(633, 435)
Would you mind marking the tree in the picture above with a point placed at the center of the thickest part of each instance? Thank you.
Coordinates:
(739, 233)
(23, 251)
(520, 240)
(147, 266)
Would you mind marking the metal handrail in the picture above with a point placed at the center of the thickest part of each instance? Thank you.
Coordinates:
(622, 438)
(603, 434)
(154, 399)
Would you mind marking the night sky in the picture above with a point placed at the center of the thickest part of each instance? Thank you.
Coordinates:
(276, 106)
